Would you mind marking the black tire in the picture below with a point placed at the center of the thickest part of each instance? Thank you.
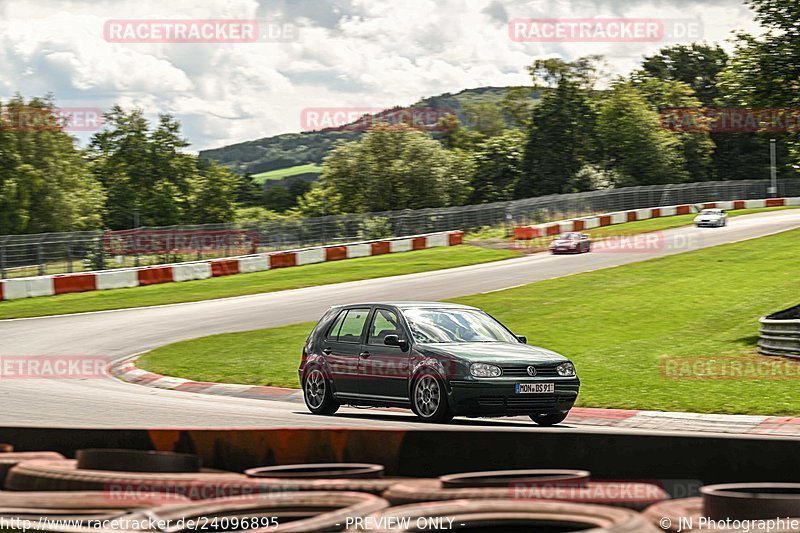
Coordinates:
(318, 394)
(549, 419)
(429, 399)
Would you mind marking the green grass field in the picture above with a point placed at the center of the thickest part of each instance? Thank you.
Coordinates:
(281, 173)
(616, 324)
(271, 280)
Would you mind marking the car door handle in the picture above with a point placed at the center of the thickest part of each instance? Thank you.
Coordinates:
(327, 351)
(364, 354)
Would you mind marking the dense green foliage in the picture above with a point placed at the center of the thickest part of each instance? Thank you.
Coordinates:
(45, 184)
(130, 174)
(148, 179)
(392, 167)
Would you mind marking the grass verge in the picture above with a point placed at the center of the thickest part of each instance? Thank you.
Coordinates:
(257, 282)
(617, 324)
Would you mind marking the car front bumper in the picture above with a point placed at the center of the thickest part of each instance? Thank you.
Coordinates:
(708, 223)
(498, 397)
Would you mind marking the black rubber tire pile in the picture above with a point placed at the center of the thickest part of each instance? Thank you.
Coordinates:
(134, 486)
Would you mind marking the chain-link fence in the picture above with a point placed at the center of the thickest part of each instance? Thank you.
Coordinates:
(53, 253)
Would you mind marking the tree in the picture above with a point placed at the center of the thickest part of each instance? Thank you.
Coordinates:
(485, 118)
(44, 182)
(560, 139)
(517, 106)
(698, 148)
(498, 166)
(391, 167)
(213, 194)
(635, 144)
(764, 72)
(146, 173)
(248, 192)
(697, 65)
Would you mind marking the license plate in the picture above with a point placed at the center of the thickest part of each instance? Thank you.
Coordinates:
(535, 388)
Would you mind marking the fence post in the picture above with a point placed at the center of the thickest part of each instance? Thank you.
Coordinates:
(40, 257)
(3, 260)
(101, 254)
(69, 257)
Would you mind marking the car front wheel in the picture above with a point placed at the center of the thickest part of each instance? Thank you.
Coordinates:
(318, 394)
(549, 419)
(429, 399)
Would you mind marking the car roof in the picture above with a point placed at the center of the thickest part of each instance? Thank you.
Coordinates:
(408, 305)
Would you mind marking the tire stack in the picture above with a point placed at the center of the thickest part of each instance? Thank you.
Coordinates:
(134, 486)
(737, 505)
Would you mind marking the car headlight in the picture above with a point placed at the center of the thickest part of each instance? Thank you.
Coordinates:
(566, 370)
(482, 370)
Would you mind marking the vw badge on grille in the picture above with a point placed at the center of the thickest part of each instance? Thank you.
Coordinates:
(531, 371)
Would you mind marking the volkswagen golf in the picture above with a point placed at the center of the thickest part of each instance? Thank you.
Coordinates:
(439, 359)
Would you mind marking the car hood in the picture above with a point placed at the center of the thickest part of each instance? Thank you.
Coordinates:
(563, 242)
(708, 217)
(494, 352)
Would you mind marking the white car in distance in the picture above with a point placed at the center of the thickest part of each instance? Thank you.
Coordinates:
(711, 218)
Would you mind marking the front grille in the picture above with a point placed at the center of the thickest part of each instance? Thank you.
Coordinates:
(522, 403)
(528, 403)
(491, 401)
(522, 371)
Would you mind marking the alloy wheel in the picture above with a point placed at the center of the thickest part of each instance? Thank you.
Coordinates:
(315, 389)
(427, 396)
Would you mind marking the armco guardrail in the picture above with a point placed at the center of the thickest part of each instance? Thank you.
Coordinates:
(525, 233)
(15, 288)
(780, 333)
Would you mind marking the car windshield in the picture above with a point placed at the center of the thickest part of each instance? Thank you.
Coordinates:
(431, 325)
(570, 236)
(709, 212)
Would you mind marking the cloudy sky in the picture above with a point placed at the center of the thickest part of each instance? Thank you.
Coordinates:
(323, 54)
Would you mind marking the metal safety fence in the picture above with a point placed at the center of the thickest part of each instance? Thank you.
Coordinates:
(53, 253)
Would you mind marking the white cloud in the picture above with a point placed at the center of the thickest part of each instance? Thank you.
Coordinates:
(361, 53)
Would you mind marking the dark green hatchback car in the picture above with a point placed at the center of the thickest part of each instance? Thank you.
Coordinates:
(439, 359)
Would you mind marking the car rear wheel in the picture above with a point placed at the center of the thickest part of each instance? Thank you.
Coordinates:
(318, 394)
(549, 419)
(429, 399)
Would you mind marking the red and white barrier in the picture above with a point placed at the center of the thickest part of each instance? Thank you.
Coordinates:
(11, 289)
(525, 233)
(117, 279)
(191, 271)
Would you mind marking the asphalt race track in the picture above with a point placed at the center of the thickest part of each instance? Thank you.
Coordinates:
(117, 334)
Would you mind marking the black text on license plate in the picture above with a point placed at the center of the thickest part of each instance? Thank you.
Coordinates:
(535, 388)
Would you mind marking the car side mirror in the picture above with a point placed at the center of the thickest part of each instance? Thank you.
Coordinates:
(523, 339)
(395, 340)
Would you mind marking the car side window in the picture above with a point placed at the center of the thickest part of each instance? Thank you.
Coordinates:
(333, 333)
(384, 323)
(353, 325)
